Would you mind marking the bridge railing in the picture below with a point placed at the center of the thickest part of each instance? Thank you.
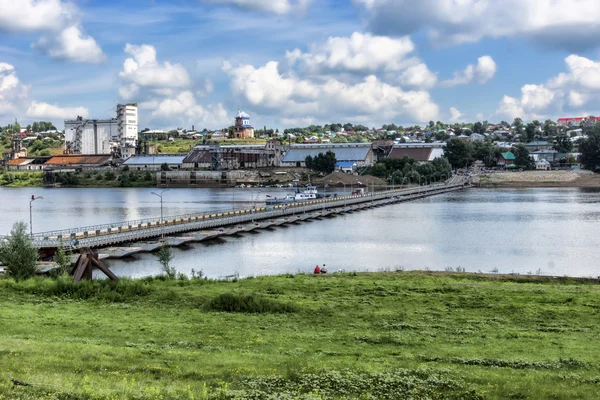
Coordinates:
(98, 235)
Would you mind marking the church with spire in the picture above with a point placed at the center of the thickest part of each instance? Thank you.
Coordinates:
(242, 128)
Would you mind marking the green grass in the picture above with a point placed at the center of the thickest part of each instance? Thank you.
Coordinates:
(367, 336)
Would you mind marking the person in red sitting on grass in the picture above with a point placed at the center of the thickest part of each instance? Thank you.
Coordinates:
(317, 270)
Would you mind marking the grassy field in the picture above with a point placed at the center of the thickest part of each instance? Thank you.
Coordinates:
(368, 336)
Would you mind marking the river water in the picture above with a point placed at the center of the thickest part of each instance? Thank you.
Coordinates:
(542, 230)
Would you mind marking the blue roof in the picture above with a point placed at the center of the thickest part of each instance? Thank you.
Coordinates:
(358, 153)
(154, 160)
(345, 164)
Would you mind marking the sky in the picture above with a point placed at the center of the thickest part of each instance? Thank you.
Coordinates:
(292, 63)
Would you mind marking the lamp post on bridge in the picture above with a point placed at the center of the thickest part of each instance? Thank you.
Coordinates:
(33, 198)
(160, 196)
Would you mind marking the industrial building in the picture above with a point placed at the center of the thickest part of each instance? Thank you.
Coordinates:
(127, 118)
(422, 152)
(217, 157)
(116, 136)
(359, 153)
(90, 136)
(154, 162)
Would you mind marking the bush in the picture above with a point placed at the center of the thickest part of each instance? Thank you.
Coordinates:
(18, 254)
(165, 256)
(109, 176)
(248, 303)
(65, 286)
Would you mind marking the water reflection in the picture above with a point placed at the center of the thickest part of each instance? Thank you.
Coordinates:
(513, 230)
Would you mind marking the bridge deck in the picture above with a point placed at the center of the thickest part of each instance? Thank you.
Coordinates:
(142, 234)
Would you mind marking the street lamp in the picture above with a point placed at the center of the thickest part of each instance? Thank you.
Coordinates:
(33, 198)
(161, 202)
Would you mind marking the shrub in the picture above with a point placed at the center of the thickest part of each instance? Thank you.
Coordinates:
(18, 254)
(65, 286)
(165, 256)
(109, 176)
(248, 303)
(63, 259)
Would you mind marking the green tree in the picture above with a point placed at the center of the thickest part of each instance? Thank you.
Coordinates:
(563, 144)
(523, 159)
(530, 130)
(322, 162)
(63, 260)
(459, 153)
(35, 127)
(518, 126)
(590, 149)
(478, 127)
(549, 128)
(165, 256)
(18, 254)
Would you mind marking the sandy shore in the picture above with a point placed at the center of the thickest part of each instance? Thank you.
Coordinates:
(577, 179)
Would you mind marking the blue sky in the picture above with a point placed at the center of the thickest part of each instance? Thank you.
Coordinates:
(297, 62)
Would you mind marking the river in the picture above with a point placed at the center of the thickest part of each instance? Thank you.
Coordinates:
(542, 230)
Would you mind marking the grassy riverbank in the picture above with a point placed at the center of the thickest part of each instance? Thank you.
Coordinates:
(386, 335)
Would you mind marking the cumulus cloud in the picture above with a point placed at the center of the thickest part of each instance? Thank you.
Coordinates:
(184, 108)
(547, 22)
(269, 6)
(71, 44)
(143, 70)
(568, 91)
(14, 98)
(418, 76)
(361, 52)
(63, 38)
(167, 90)
(267, 89)
(481, 73)
(456, 115)
(13, 94)
(52, 111)
(34, 15)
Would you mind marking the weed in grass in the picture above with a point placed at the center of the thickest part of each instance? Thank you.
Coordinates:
(249, 303)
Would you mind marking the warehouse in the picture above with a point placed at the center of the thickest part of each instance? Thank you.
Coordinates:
(154, 162)
(359, 153)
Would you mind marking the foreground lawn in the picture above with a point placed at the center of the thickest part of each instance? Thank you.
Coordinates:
(368, 336)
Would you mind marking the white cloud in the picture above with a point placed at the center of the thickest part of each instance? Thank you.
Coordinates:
(371, 99)
(548, 22)
(143, 70)
(185, 110)
(34, 15)
(63, 39)
(456, 115)
(43, 110)
(361, 52)
(13, 94)
(167, 91)
(71, 44)
(14, 99)
(270, 6)
(418, 76)
(568, 91)
(207, 89)
(481, 73)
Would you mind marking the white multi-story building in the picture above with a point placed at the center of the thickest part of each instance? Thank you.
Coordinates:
(90, 136)
(127, 116)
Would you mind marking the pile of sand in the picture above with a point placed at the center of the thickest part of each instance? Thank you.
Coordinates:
(341, 179)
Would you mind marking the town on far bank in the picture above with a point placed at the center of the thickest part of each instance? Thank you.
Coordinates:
(114, 152)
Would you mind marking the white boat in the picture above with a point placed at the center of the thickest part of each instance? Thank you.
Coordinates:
(308, 194)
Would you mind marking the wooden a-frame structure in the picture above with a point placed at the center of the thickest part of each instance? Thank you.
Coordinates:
(85, 264)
